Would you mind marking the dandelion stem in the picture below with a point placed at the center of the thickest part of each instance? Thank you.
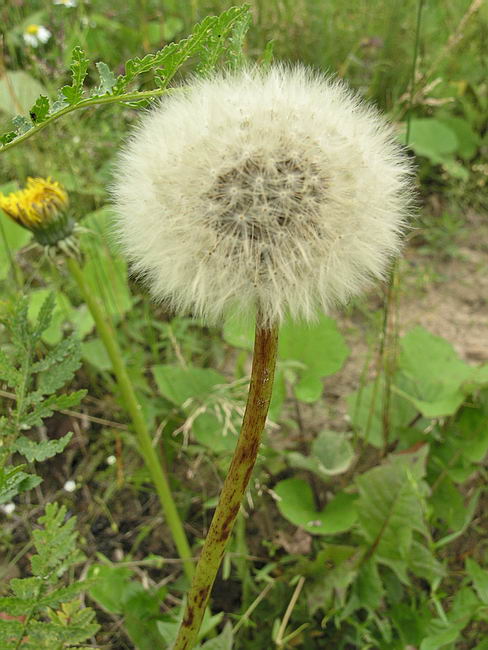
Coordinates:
(133, 408)
(235, 484)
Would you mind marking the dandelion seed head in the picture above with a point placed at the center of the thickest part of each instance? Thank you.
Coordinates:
(278, 190)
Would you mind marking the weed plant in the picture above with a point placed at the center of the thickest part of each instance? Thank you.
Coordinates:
(367, 532)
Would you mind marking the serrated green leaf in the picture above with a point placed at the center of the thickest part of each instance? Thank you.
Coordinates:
(55, 543)
(171, 57)
(40, 110)
(44, 316)
(41, 450)
(79, 68)
(49, 405)
(9, 373)
(68, 346)
(14, 481)
(8, 137)
(62, 372)
(26, 587)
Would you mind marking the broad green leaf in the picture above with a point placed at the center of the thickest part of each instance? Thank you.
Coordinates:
(18, 92)
(321, 350)
(431, 138)
(179, 384)
(467, 140)
(390, 508)
(365, 408)
(331, 454)
(195, 391)
(435, 374)
(110, 589)
(95, 353)
(160, 31)
(295, 502)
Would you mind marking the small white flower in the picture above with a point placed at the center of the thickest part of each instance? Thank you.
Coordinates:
(69, 486)
(279, 191)
(8, 508)
(35, 35)
(66, 3)
(111, 460)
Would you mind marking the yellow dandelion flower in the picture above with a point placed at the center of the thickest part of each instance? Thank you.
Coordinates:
(41, 207)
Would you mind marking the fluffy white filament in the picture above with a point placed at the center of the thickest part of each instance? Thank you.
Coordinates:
(279, 190)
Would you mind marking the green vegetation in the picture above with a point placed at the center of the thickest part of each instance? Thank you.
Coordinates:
(365, 523)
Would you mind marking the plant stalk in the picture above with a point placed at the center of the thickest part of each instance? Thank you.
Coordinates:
(134, 410)
(235, 484)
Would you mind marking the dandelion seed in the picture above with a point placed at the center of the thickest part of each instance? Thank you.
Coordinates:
(36, 35)
(279, 191)
(69, 486)
(65, 3)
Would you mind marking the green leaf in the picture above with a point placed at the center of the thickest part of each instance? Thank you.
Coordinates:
(179, 384)
(321, 350)
(95, 353)
(55, 543)
(331, 454)
(79, 68)
(365, 408)
(224, 641)
(39, 111)
(106, 275)
(18, 92)
(14, 481)
(40, 450)
(390, 508)
(479, 576)
(163, 30)
(49, 405)
(107, 78)
(295, 502)
(110, 588)
(26, 587)
(468, 141)
(431, 138)
(434, 371)
(63, 371)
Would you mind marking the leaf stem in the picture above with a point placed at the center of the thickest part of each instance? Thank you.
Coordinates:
(85, 103)
(235, 484)
(133, 408)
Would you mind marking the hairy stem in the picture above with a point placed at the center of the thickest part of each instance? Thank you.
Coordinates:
(133, 408)
(235, 484)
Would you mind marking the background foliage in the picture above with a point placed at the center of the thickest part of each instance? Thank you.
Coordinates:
(365, 526)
